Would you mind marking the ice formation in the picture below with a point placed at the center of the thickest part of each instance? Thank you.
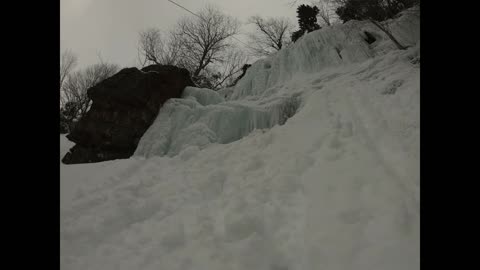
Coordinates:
(259, 100)
(203, 117)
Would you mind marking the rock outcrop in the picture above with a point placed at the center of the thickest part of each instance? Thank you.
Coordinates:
(123, 108)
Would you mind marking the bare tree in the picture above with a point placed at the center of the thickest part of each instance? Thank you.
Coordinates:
(203, 39)
(326, 11)
(151, 45)
(229, 68)
(77, 84)
(155, 48)
(270, 35)
(68, 61)
(201, 44)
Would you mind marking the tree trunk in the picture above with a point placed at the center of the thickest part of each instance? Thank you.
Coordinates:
(399, 46)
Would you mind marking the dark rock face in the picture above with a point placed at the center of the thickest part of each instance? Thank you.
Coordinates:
(123, 108)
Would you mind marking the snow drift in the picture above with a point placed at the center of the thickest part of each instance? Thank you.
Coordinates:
(310, 162)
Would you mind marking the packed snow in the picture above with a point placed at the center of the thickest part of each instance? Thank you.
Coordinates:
(310, 162)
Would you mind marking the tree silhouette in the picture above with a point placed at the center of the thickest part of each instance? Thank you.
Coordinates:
(307, 18)
(307, 21)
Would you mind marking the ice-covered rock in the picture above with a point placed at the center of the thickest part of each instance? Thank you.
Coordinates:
(203, 96)
(325, 48)
(200, 118)
(260, 100)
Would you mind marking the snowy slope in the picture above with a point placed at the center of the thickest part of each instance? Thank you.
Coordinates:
(225, 181)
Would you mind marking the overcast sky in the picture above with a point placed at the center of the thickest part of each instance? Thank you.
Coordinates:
(110, 27)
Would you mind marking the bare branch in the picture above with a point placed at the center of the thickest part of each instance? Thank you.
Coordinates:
(68, 61)
(151, 45)
(204, 38)
(77, 83)
(271, 34)
(326, 12)
(231, 65)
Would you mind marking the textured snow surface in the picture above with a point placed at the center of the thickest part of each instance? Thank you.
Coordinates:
(222, 180)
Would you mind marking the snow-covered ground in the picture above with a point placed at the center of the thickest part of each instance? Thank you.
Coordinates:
(224, 181)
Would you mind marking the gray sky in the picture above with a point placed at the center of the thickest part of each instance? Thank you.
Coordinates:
(110, 27)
